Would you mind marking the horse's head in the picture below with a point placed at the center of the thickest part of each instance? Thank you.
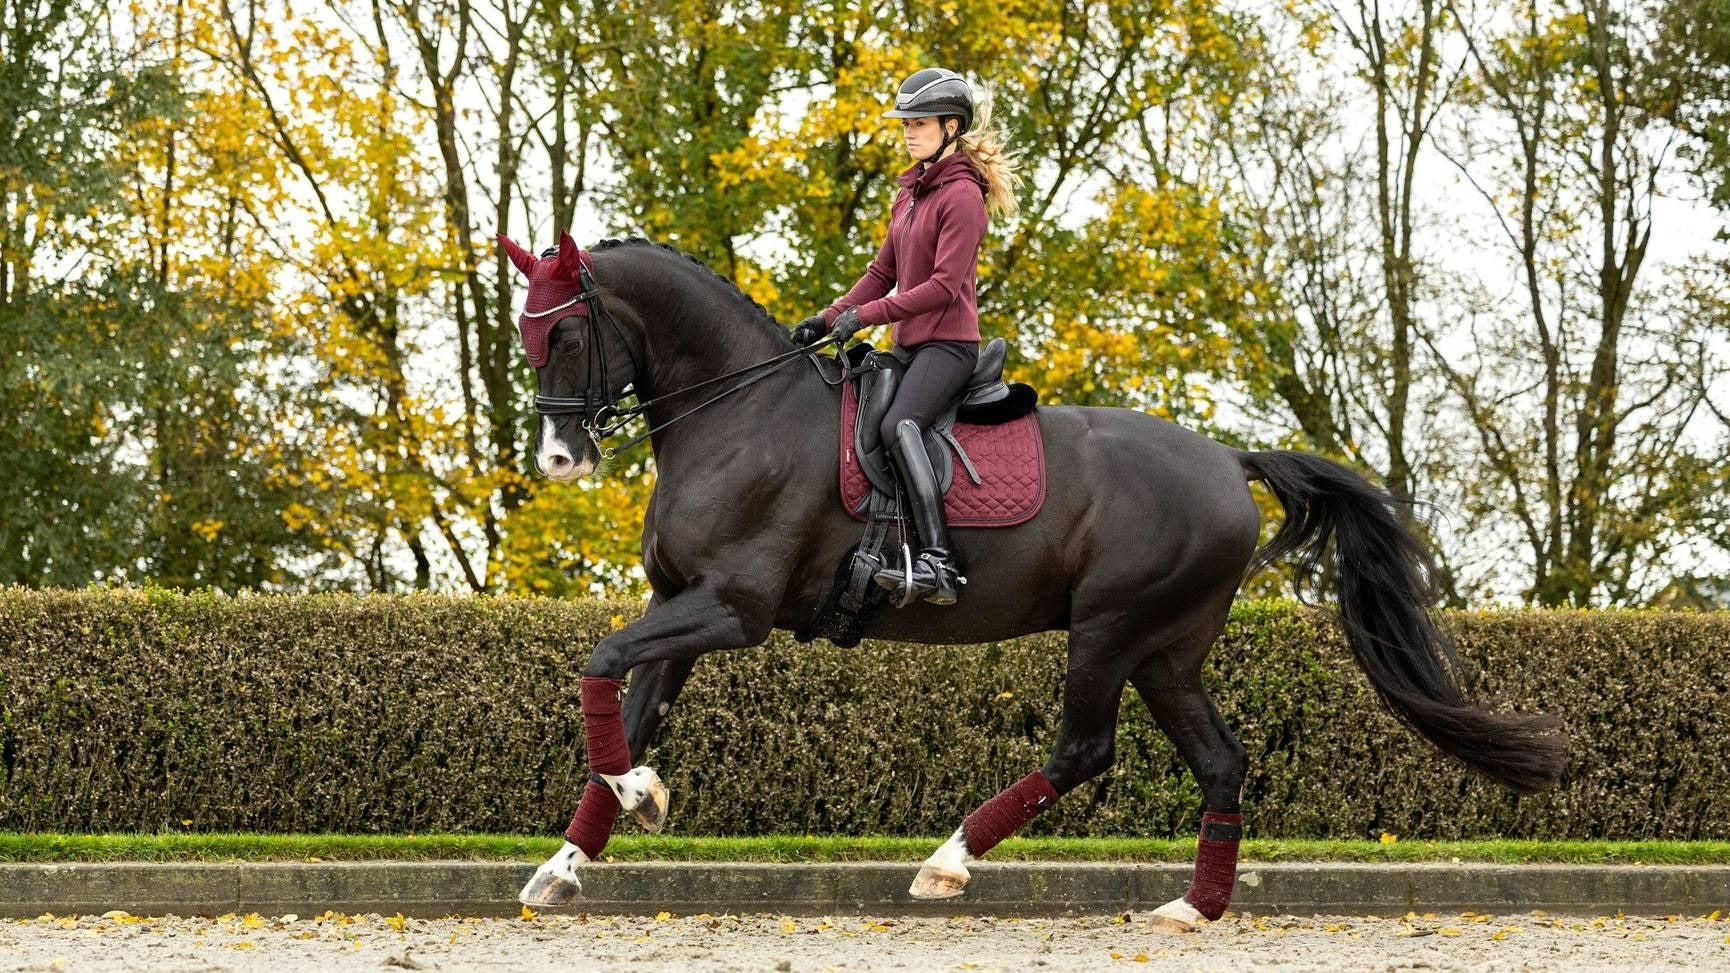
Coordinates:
(581, 367)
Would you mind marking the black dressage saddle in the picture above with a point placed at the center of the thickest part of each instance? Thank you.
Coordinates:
(985, 400)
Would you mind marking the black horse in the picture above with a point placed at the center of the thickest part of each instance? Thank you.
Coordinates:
(1146, 532)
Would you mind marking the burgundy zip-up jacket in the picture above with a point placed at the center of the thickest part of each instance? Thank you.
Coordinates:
(930, 256)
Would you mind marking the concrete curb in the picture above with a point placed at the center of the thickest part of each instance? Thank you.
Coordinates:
(430, 889)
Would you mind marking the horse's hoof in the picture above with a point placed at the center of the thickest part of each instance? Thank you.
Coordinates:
(1168, 926)
(651, 811)
(937, 883)
(546, 889)
(1174, 918)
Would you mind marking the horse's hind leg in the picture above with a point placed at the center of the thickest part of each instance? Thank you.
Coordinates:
(1092, 692)
(1169, 683)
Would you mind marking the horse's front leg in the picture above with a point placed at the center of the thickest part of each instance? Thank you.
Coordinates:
(655, 687)
(688, 625)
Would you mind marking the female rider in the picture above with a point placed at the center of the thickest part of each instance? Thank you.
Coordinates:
(929, 256)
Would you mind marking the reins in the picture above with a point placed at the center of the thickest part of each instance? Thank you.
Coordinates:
(609, 419)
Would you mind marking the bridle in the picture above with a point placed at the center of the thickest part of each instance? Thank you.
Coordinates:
(602, 417)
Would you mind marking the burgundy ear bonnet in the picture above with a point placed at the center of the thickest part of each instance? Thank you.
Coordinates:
(555, 291)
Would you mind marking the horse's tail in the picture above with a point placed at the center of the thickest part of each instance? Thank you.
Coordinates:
(1383, 574)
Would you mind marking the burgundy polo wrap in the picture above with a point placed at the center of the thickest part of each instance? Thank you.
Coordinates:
(555, 291)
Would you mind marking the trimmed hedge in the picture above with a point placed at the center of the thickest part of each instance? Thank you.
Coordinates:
(127, 710)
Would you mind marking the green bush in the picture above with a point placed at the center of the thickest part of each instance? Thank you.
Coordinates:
(130, 710)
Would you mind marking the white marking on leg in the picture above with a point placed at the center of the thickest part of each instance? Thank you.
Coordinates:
(564, 863)
(952, 855)
(1180, 911)
(631, 787)
(555, 882)
(944, 875)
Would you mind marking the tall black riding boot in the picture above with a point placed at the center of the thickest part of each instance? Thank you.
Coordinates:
(934, 574)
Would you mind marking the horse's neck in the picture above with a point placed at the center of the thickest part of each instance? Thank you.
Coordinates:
(705, 350)
(690, 349)
(759, 420)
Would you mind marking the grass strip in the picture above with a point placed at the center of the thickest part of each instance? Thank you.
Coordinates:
(175, 847)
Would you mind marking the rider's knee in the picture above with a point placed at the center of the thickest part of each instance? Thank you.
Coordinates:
(886, 428)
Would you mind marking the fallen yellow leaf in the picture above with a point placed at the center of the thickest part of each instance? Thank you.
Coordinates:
(528, 914)
(788, 925)
(1388, 839)
(663, 916)
(397, 922)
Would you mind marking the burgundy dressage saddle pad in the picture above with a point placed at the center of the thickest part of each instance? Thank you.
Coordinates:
(1009, 458)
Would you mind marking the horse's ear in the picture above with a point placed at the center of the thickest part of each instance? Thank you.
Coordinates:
(570, 257)
(524, 260)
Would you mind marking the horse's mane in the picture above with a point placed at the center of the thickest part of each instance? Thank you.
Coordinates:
(759, 313)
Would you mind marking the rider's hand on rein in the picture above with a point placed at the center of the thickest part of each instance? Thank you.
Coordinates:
(845, 324)
(809, 330)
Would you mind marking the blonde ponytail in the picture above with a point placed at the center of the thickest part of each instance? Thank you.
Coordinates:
(987, 149)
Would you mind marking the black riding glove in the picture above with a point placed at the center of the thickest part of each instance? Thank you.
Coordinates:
(845, 324)
(809, 330)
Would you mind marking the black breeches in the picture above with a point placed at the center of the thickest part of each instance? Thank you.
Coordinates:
(936, 373)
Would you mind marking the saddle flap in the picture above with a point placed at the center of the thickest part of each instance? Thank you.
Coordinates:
(1005, 481)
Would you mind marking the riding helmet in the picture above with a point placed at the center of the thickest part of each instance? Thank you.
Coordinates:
(934, 92)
